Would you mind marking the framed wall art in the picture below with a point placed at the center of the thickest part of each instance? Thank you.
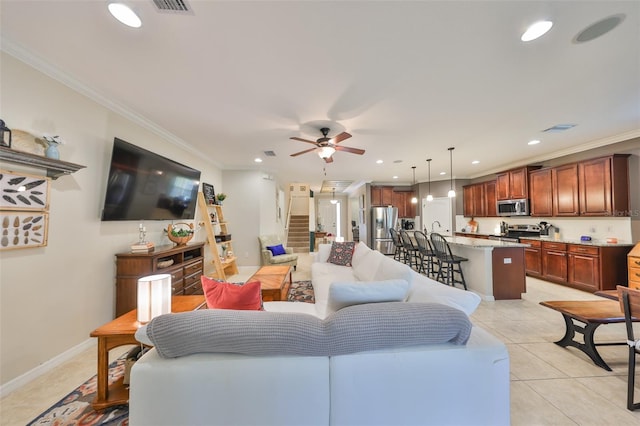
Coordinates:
(209, 193)
(23, 229)
(21, 191)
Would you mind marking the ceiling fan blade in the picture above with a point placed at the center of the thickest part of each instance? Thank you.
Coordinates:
(303, 140)
(348, 149)
(342, 136)
(328, 160)
(303, 152)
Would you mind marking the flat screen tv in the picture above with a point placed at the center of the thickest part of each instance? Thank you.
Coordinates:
(147, 186)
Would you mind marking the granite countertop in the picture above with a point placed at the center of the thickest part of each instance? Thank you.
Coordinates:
(596, 243)
(481, 243)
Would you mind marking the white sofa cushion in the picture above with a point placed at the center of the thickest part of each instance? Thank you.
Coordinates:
(366, 263)
(425, 290)
(343, 294)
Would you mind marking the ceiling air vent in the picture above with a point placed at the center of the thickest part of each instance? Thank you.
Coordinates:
(559, 128)
(172, 5)
(269, 154)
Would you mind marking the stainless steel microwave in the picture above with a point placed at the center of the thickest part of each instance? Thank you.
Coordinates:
(513, 207)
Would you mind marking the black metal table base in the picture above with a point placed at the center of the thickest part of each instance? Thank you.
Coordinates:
(589, 346)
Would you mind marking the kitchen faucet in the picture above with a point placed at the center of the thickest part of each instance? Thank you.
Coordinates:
(433, 223)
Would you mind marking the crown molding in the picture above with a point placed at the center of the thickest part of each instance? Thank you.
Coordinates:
(73, 83)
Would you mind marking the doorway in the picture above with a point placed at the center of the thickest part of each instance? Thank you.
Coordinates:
(329, 218)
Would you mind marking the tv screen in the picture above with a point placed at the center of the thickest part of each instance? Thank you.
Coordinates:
(147, 186)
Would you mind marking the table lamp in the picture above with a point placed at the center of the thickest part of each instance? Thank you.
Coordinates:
(154, 296)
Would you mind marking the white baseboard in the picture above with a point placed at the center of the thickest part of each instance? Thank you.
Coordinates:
(45, 367)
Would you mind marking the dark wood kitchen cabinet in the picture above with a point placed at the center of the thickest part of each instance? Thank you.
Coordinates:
(381, 195)
(554, 261)
(479, 199)
(474, 200)
(584, 267)
(540, 186)
(604, 186)
(514, 184)
(565, 190)
(532, 257)
(490, 200)
(581, 266)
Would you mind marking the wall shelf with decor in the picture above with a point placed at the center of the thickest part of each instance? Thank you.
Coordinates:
(213, 218)
(54, 168)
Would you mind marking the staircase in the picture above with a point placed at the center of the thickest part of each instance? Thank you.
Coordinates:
(298, 237)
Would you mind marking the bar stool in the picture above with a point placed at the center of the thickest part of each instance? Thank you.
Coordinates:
(448, 263)
(411, 253)
(398, 253)
(428, 255)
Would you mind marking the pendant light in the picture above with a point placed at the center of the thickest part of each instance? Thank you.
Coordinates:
(429, 196)
(333, 197)
(414, 199)
(451, 192)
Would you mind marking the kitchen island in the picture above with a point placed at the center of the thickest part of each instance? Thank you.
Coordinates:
(495, 269)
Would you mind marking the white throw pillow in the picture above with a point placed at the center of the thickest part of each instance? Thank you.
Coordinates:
(324, 250)
(365, 265)
(343, 294)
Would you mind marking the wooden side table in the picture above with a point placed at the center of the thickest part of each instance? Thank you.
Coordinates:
(120, 332)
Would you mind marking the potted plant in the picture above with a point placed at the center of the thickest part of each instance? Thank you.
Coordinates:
(221, 197)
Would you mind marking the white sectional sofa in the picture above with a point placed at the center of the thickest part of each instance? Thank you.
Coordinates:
(294, 373)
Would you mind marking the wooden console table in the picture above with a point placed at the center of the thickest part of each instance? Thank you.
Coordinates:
(120, 332)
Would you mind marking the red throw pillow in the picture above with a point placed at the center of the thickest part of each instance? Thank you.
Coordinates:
(222, 295)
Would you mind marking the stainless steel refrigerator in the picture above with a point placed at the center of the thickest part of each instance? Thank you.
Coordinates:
(382, 220)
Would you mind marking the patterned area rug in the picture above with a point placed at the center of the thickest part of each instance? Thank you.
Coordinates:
(75, 409)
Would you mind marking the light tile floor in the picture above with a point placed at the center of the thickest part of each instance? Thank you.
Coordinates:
(550, 385)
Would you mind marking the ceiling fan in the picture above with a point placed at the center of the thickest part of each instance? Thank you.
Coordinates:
(326, 146)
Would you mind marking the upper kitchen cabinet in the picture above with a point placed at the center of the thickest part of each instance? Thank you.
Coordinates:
(514, 184)
(604, 186)
(540, 183)
(381, 195)
(565, 190)
(490, 199)
(480, 199)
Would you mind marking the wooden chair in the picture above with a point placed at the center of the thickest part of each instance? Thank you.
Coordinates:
(448, 263)
(411, 253)
(428, 256)
(398, 253)
(630, 304)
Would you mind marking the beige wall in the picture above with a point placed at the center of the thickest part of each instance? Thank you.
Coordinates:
(51, 298)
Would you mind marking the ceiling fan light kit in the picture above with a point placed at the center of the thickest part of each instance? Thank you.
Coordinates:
(326, 146)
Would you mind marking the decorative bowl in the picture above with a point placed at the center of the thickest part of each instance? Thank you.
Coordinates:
(184, 231)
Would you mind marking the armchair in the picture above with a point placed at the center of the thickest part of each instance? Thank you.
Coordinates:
(268, 258)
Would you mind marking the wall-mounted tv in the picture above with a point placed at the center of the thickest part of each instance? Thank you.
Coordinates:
(143, 185)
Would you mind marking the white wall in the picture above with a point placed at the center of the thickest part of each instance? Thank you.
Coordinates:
(52, 297)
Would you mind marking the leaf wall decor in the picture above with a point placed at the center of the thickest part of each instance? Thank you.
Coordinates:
(23, 191)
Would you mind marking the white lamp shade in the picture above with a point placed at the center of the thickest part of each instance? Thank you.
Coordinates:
(429, 197)
(451, 193)
(154, 296)
(326, 151)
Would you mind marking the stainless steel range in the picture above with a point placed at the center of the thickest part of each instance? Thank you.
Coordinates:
(515, 232)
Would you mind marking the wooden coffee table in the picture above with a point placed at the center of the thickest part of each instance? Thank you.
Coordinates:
(274, 282)
(120, 332)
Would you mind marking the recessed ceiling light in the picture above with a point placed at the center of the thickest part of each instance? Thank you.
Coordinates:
(258, 160)
(395, 177)
(533, 142)
(124, 14)
(443, 173)
(535, 30)
(475, 162)
(379, 162)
